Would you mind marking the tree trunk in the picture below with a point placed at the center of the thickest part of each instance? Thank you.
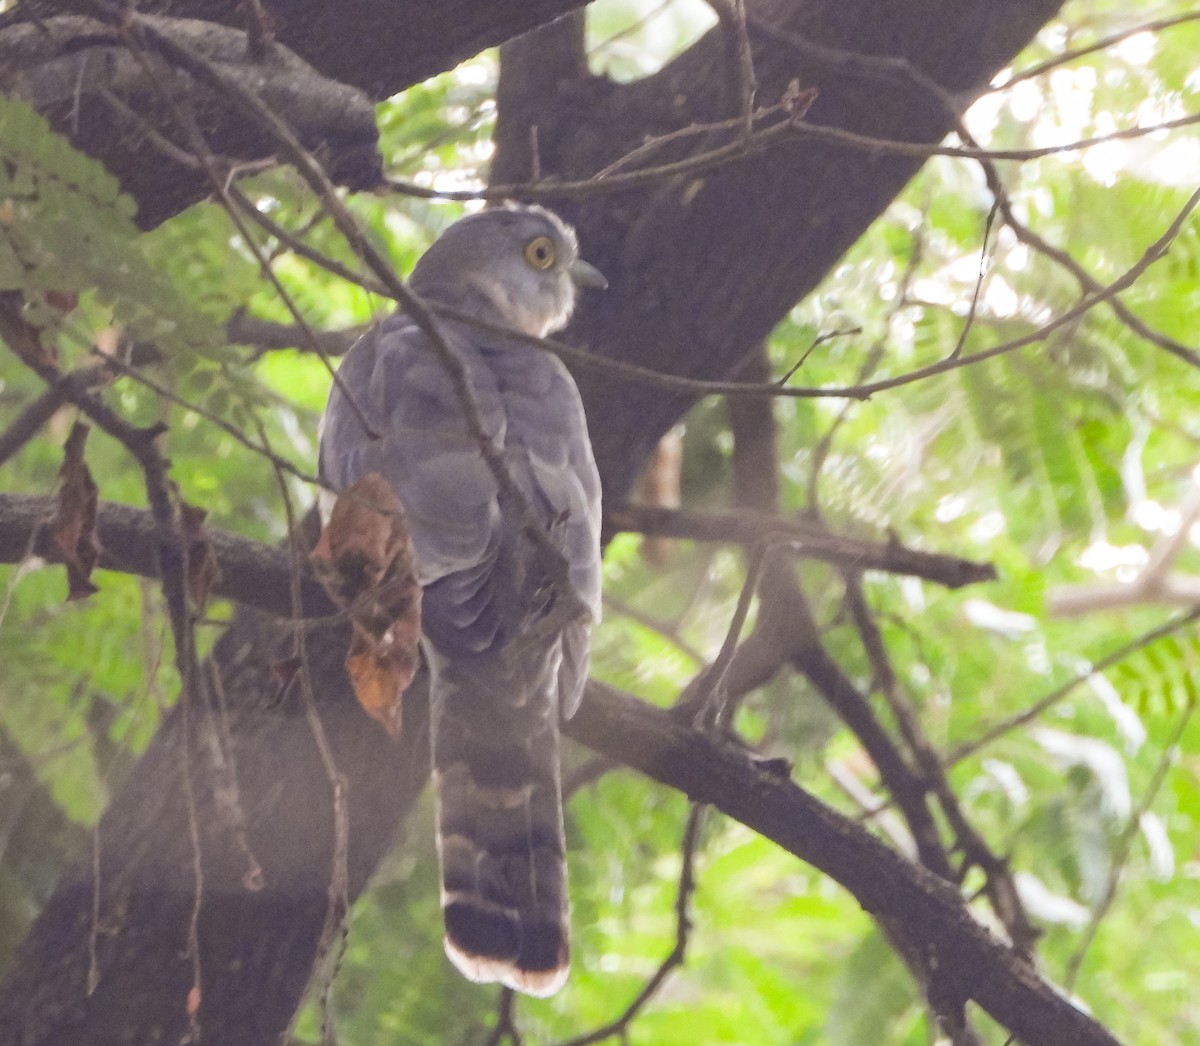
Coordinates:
(114, 963)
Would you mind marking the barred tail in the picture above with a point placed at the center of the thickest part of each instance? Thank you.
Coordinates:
(500, 825)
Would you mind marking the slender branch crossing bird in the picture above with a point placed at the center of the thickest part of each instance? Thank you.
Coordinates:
(503, 668)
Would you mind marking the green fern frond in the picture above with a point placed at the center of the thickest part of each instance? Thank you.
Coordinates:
(1162, 676)
(65, 226)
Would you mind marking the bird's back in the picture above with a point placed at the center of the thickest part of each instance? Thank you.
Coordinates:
(498, 688)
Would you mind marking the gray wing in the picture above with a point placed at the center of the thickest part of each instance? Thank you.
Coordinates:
(474, 562)
(548, 430)
(419, 443)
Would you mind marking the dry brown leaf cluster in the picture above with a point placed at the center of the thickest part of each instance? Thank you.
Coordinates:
(74, 525)
(365, 560)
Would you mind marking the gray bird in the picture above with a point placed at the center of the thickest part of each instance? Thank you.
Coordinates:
(499, 683)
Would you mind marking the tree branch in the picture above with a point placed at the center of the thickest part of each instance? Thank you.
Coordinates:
(252, 573)
(885, 884)
(805, 539)
(708, 771)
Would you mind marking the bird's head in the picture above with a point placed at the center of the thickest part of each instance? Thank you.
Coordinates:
(523, 260)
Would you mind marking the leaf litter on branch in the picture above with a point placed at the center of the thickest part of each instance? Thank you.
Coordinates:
(365, 560)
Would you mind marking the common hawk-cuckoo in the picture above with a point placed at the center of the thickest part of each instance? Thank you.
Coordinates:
(499, 682)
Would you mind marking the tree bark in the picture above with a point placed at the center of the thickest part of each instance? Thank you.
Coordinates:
(701, 267)
(327, 65)
(228, 819)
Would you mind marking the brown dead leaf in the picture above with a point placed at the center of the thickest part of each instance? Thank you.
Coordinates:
(202, 568)
(283, 673)
(365, 560)
(62, 301)
(377, 685)
(74, 526)
(797, 100)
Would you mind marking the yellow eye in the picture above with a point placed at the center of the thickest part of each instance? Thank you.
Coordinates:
(539, 252)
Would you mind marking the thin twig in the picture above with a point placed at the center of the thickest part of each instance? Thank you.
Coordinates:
(648, 148)
(298, 247)
(337, 911)
(1015, 722)
(732, 16)
(1124, 846)
(786, 130)
(660, 628)
(983, 256)
(633, 27)
(817, 342)
(276, 460)
(506, 1023)
(1100, 45)
(1000, 886)
(708, 697)
(28, 423)
(683, 927)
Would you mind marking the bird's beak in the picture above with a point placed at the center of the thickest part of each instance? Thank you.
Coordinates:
(586, 275)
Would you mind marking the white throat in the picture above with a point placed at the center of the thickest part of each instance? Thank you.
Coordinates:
(537, 318)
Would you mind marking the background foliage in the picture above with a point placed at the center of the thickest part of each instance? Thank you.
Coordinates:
(1061, 463)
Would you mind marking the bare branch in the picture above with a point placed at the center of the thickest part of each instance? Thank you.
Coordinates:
(886, 884)
(706, 697)
(548, 190)
(1103, 44)
(253, 574)
(805, 539)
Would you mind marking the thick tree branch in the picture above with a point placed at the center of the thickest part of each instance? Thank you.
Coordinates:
(809, 540)
(257, 575)
(71, 68)
(253, 574)
(350, 54)
(887, 885)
